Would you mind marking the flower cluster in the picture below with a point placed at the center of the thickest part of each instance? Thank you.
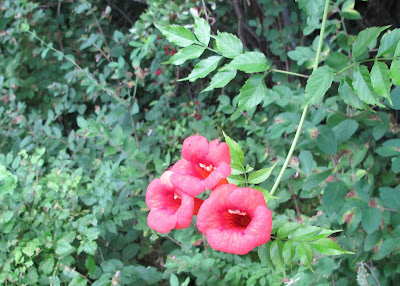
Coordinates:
(234, 219)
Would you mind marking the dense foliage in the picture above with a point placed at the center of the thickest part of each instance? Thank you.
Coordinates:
(89, 115)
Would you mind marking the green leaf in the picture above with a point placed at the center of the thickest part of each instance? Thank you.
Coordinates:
(305, 233)
(348, 95)
(220, 79)
(173, 280)
(315, 179)
(313, 8)
(276, 254)
(24, 27)
(334, 194)
(47, 266)
(372, 239)
(305, 254)
(288, 252)
(380, 79)
(64, 248)
(389, 43)
(188, 53)
(236, 179)
(395, 72)
(288, 228)
(345, 129)
(249, 62)
(326, 140)
(178, 35)
(117, 136)
(389, 148)
(348, 11)
(390, 197)
(365, 38)
(363, 87)
(264, 254)
(235, 150)
(371, 219)
(328, 247)
(396, 165)
(90, 264)
(395, 98)
(202, 30)
(203, 68)
(228, 45)
(387, 246)
(252, 92)
(260, 176)
(318, 84)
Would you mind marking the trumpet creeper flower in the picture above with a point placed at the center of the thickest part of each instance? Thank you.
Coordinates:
(235, 220)
(169, 207)
(203, 166)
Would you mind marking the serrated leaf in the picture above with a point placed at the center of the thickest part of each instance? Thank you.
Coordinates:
(328, 247)
(228, 45)
(252, 92)
(380, 79)
(288, 228)
(220, 79)
(203, 68)
(305, 254)
(395, 72)
(178, 35)
(315, 179)
(264, 254)
(202, 30)
(348, 11)
(288, 252)
(236, 179)
(363, 87)
(365, 38)
(276, 254)
(249, 62)
(304, 233)
(318, 84)
(389, 43)
(312, 7)
(188, 53)
(235, 150)
(260, 176)
(348, 95)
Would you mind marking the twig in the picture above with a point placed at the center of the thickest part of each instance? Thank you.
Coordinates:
(239, 17)
(121, 12)
(58, 28)
(295, 200)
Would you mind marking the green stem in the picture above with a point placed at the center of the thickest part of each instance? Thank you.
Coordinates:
(365, 61)
(290, 73)
(303, 115)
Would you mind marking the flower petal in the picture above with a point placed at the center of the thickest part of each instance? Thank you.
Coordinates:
(230, 241)
(195, 149)
(260, 226)
(218, 153)
(245, 199)
(161, 221)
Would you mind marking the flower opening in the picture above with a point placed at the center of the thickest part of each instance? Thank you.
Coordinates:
(235, 220)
